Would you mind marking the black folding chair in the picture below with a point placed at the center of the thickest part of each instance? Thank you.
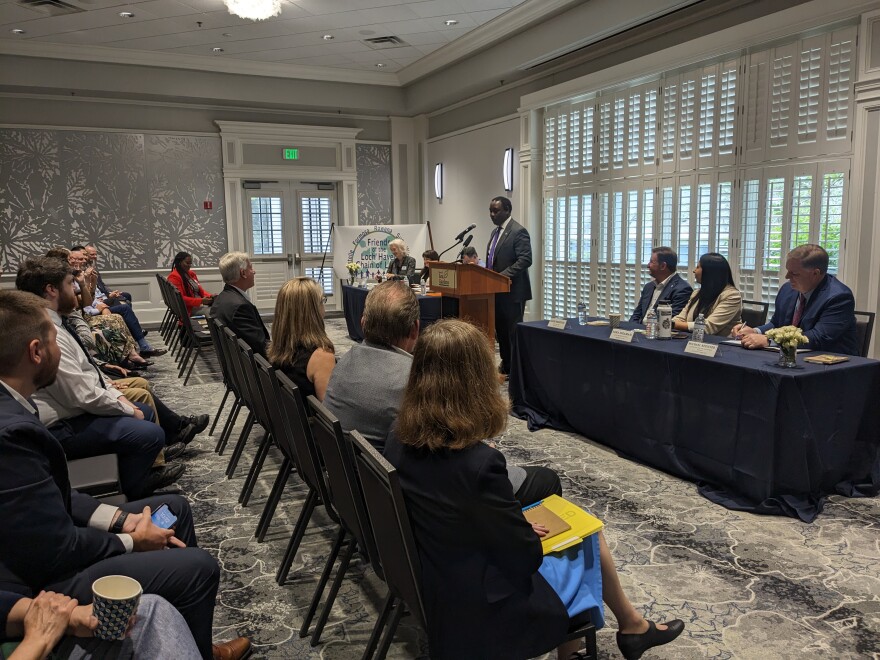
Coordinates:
(865, 331)
(244, 390)
(756, 312)
(215, 327)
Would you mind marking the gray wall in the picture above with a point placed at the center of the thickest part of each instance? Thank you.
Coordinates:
(138, 197)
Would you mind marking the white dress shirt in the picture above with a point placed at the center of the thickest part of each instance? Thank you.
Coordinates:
(658, 291)
(76, 389)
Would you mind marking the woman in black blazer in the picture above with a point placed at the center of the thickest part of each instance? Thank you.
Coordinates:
(483, 594)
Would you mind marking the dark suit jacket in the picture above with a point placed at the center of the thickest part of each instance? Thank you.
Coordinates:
(44, 537)
(513, 256)
(677, 292)
(482, 592)
(242, 317)
(828, 321)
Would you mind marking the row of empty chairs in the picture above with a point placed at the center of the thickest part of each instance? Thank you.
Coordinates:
(184, 342)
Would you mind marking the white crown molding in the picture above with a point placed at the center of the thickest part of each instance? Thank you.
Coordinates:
(475, 127)
(734, 39)
(240, 129)
(106, 54)
(480, 38)
(93, 129)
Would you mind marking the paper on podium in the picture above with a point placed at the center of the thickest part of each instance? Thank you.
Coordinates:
(581, 524)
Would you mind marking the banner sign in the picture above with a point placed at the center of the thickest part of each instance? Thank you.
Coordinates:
(367, 245)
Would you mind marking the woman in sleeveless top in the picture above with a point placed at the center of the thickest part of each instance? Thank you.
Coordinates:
(300, 346)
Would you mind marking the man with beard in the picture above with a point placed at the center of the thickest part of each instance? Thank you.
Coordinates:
(56, 539)
(81, 409)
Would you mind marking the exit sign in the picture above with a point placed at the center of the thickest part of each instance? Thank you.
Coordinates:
(291, 154)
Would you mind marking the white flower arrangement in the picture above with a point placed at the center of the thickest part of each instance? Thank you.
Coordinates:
(353, 268)
(788, 336)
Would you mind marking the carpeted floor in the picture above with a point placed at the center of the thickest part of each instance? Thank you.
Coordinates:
(747, 586)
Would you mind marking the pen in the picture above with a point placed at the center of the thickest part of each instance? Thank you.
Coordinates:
(532, 506)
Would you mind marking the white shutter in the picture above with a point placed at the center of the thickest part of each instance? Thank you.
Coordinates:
(683, 227)
(606, 128)
(669, 124)
(618, 134)
(603, 256)
(550, 145)
(589, 140)
(562, 144)
(549, 261)
(831, 188)
(757, 107)
(667, 212)
(687, 121)
(750, 257)
(837, 113)
(727, 124)
(709, 103)
(575, 141)
(651, 97)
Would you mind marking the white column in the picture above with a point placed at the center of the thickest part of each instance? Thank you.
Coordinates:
(405, 171)
(528, 186)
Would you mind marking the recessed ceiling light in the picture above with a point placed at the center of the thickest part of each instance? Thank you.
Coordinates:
(216, 49)
(18, 31)
(450, 22)
(328, 37)
(380, 66)
(126, 14)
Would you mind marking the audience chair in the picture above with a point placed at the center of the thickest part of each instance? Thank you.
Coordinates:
(214, 329)
(167, 319)
(755, 317)
(348, 501)
(865, 331)
(279, 428)
(97, 476)
(309, 467)
(244, 389)
(228, 342)
(258, 403)
(191, 342)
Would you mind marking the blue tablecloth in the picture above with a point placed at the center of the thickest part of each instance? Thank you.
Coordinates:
(753, 436)
(432, 309)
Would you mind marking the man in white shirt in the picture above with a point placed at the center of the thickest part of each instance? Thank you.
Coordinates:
(81, 409)
(665, 284)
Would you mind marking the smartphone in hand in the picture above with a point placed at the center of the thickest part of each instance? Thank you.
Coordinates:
(162, 517)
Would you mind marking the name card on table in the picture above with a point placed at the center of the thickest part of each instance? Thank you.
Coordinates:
(622, 335)
(559, 324)
(701, 348)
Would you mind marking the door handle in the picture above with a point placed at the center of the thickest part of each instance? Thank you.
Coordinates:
(297, 259)
(289, 259)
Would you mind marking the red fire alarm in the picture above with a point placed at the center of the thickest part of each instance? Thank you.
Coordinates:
(208, 205)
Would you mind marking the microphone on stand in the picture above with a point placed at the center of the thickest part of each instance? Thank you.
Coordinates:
(465, 232)
(466, 243)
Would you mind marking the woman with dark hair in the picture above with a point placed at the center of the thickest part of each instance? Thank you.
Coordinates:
(428, 255)
(487, 589)
(185, 279)
(300, 346)
(717, 299)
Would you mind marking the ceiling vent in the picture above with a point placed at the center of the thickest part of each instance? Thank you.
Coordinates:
(51, 7)
(384, 43)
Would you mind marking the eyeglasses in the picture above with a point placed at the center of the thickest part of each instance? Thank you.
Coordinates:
(323, 300)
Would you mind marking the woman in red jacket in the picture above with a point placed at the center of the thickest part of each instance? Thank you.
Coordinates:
(185, 279)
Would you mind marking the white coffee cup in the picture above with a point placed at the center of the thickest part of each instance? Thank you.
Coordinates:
(116, 599)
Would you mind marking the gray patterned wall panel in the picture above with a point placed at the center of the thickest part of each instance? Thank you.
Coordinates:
(138, 197)
(374, 184)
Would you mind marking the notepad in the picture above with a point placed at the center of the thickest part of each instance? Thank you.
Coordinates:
(580, 524)
(826, 359)
(541, 515)
(738, 342)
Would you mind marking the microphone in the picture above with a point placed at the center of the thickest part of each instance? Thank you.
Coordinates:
(468, 241)
(462, 234)
(461, 252)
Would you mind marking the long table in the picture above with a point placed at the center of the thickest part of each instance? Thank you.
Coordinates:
(754, 436)
(432, 308)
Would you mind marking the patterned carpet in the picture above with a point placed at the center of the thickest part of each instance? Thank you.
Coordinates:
(747, 586)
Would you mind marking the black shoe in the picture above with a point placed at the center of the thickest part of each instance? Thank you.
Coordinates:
(185, 435)
(146, 332)
(633, 645)
(153, 352)
(174, 451)
(160, 478)
(199, 421)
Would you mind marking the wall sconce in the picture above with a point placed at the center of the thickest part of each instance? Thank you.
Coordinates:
(438, 180)
(507, 169)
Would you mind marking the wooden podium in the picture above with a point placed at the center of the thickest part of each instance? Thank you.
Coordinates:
(474, 286)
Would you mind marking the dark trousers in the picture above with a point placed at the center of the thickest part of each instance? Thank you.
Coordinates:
(540, 482)
(136, 442)
(186, 577)
(131, 320)
(507, 314)
(169, 420)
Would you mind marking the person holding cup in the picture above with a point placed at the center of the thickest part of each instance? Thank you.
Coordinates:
(56, 623)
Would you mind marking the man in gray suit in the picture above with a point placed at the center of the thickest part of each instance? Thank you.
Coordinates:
(234, 308)
(509, 252)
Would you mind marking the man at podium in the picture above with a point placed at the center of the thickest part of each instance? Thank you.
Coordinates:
(509, 252)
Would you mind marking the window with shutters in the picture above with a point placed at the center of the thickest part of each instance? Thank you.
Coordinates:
(748, 156)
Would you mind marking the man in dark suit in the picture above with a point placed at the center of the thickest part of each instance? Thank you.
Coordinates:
(816, 302)
(234, 308)
(509, 252)
(665, 284)
(57, 539)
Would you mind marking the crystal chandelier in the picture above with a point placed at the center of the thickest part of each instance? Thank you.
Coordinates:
(255, 10)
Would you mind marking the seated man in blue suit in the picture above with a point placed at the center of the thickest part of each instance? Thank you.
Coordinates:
(818, 303)
(665, 284)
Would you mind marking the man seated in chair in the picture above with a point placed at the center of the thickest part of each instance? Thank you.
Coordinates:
(366, 388)
(816, 302)
(665, 284)
(57, 539)
(232, 306)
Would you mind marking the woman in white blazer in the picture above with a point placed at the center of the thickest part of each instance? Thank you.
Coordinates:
(717, 299)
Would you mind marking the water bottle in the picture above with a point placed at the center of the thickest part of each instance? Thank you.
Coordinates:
(582, 313)
(651, 324)
(699, 332)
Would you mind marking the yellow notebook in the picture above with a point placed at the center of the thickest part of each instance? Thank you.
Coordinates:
(581, 523)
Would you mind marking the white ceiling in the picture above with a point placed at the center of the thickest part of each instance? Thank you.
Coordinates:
(294, 38)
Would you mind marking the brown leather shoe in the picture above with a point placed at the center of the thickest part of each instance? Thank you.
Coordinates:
(236, 649)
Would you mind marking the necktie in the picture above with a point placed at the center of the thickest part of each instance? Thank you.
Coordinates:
(490, 260)
(69, 327)
(799, 310)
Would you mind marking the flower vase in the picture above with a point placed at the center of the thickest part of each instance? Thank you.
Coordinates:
(788, 357)
(351, 280)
